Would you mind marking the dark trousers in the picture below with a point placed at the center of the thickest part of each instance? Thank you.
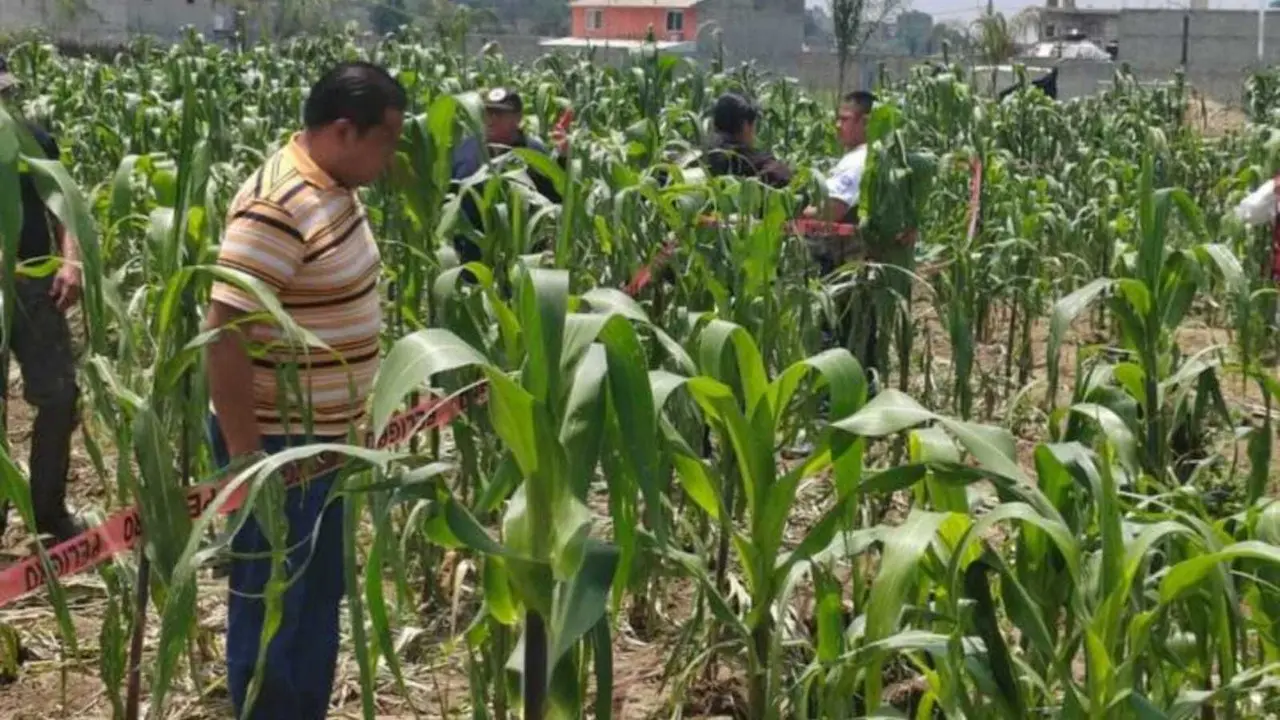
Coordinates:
(41, 343)
(300, 660)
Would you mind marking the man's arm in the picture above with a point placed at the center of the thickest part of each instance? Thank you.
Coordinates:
(69, 278)
(773, 172)
(231, 380)
(837, 210)
(261, 241)
(1260, 205)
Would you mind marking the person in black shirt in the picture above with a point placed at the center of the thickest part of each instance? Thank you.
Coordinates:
(734, 152)
(40, 341)
(503, 113)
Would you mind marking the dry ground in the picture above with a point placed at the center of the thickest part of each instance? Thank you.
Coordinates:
(49, 687)
(1212, 118)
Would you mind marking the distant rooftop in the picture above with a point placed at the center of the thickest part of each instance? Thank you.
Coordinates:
(1081, 11)
(675, 4)
(574, 43)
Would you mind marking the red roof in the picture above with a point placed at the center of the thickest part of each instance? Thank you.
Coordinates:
(671, 4)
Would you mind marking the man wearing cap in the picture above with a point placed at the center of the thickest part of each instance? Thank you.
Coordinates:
(503, 113)
(40, 338)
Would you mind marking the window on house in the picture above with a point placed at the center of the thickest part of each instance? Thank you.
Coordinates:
(675, 21)
(595, 19)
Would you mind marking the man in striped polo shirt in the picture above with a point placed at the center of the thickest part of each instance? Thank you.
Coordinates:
(298, 228)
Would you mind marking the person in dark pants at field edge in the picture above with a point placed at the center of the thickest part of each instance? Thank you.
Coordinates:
(298, 227)
(41, 340)
(503, 114)
(733, 151)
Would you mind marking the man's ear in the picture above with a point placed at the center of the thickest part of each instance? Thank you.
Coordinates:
(345, 129)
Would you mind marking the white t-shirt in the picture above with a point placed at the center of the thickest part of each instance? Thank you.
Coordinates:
(846, 179)
(1260, 206)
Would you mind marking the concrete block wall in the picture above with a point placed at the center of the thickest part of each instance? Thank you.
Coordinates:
(820, 71)
(166, 18)
(108, 22)
(768, 31)
(101, 22)
(1081, 78)
(1222, 40)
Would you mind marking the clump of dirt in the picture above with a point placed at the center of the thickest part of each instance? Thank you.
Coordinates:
(719, 699)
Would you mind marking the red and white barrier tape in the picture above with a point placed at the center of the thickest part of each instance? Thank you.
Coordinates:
(123, 529)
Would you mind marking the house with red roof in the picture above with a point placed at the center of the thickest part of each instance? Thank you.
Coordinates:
(748, 28)
(670, 20)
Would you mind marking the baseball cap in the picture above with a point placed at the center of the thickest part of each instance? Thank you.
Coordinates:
(503, 100)
(7, 78)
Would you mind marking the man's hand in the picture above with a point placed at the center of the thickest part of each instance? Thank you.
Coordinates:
(66, 286)
(560, 140)
(231, 381)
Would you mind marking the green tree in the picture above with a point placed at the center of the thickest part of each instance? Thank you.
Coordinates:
(854, 22)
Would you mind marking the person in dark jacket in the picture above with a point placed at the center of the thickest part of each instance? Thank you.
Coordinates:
(40, 341)
(734, 151)
(503, 114)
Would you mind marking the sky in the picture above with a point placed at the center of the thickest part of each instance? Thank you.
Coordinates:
(965, 10)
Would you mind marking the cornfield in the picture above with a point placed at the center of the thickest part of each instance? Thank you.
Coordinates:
(687, 503)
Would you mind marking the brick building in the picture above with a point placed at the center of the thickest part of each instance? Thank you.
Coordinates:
(670, 20)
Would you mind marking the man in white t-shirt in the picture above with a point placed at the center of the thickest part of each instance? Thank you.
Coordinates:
(845, 181)
(844, 186)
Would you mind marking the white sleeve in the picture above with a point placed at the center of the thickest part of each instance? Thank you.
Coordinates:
(1259, 207)
(846, 180)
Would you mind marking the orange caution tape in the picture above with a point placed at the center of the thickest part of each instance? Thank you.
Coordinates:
(123, 529)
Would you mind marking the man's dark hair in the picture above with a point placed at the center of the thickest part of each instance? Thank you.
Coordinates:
(360, 92)
(732, 112)
(862, 100)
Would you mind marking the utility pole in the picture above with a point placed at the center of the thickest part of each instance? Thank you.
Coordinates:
(1186, 32)
(1262, 36)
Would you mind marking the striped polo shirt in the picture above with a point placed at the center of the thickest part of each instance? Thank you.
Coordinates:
(307, 238)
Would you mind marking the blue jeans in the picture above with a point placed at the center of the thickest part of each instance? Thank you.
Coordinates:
(302, 655)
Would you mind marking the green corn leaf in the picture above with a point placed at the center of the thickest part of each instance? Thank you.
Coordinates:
(720, 338)
(413, 360)
(541, 304)
(976, 587)
(890, 412)
(904, 549)
(582, 430)
(1065, 313)
(1187, 574)
(933, 445)
(497, 592)
(581, 601)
